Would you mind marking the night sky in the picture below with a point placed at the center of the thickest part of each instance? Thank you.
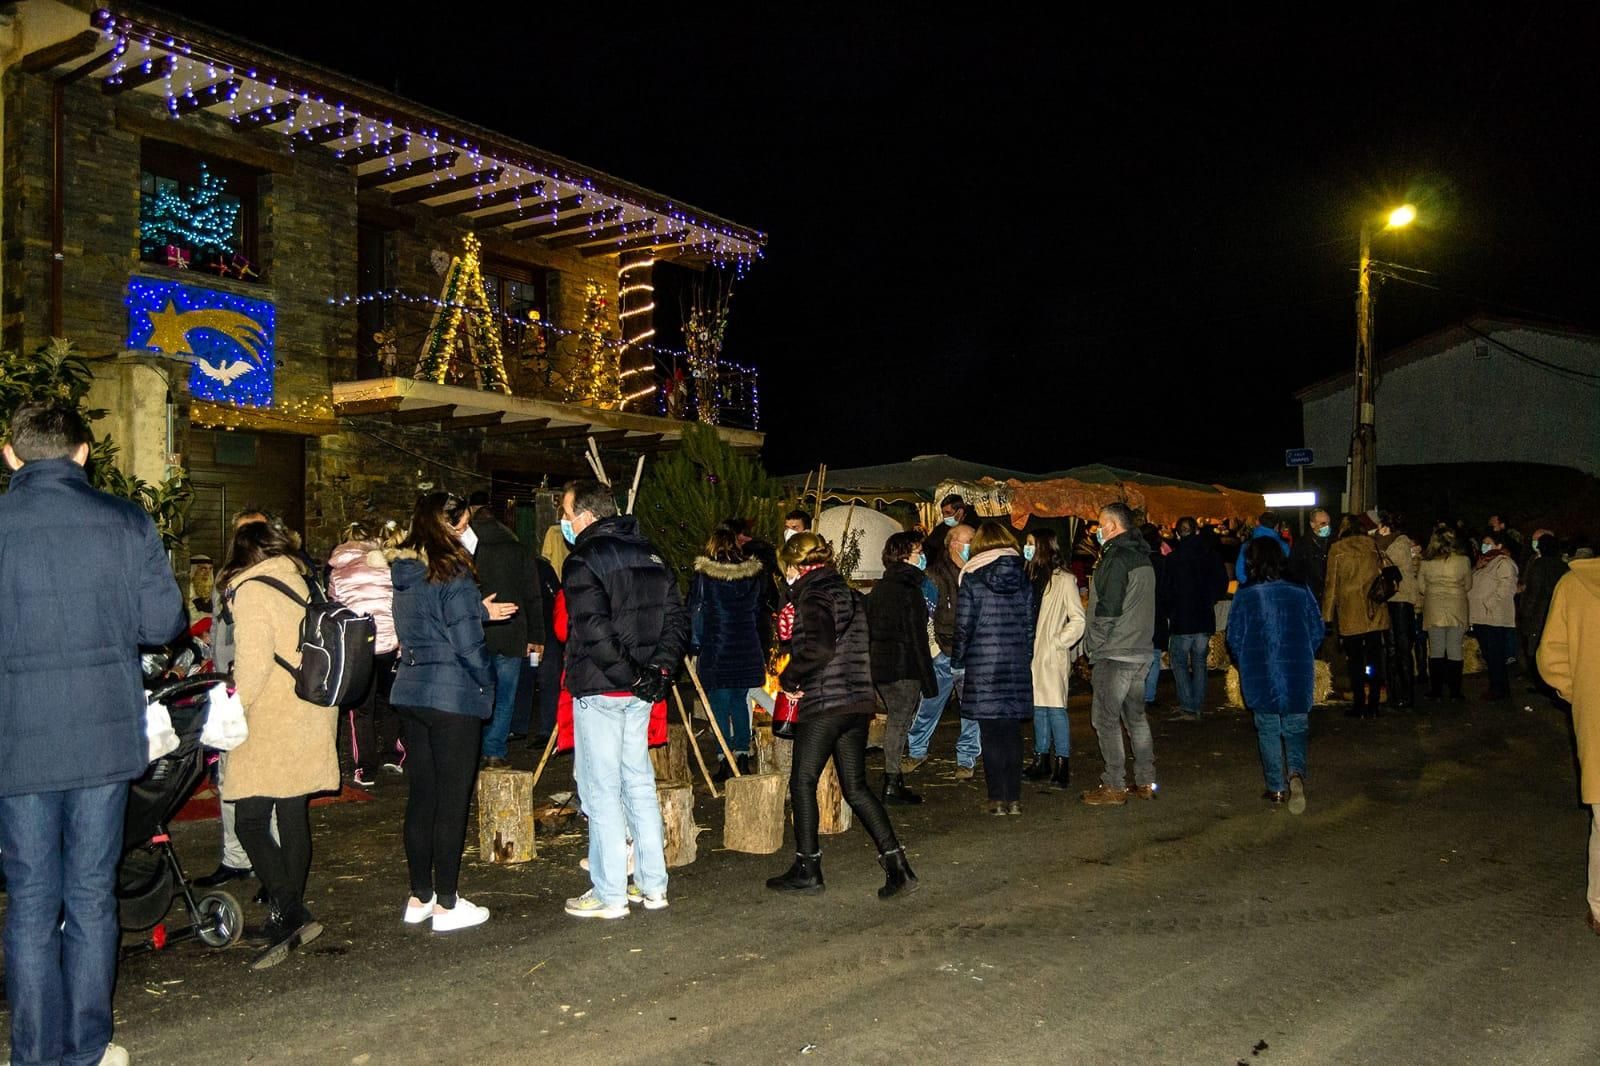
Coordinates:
(1043, 243)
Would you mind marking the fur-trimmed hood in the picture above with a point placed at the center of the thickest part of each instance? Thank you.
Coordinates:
(727, 571)
(388, 556)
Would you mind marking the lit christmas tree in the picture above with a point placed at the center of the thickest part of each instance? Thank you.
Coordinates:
(200, 219)
(464, 319)
(596, 379)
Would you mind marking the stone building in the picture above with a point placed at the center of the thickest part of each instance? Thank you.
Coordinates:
(257, 253)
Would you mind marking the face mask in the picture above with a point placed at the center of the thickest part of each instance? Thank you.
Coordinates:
(1486, 547)
(1027, 552)
(920, 562)
(950, 521)
(791, 578)
(966, 552)
(788, 534)
(1325, 531)
(1099, 536)
(566, 532)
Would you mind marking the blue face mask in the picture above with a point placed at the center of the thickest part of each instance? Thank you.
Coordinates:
(1325, 531)
(1027, 552)
(950, 521)
(1099, 536)
(966, 552)
(920, 562)
(566, 532)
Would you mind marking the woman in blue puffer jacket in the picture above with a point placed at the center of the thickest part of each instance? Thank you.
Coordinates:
(994, 645)
(444, 690)
(726, 599)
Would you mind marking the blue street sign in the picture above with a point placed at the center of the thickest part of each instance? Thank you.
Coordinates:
(1297, 457)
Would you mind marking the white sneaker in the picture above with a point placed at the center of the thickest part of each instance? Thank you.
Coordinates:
(464, 915)
(651, 903)
(116, 1055)
(583, 863)
(416, 915)
(590, 905)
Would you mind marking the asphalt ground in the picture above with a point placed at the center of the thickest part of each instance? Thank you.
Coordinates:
(1428, 907)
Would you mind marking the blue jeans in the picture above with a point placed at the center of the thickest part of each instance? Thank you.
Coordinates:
(1153, 678)
(507, 676)
(732, 708)
(61, 851)
(1274, 733)
(1499, 647)
(1050, 726)
(617, 784)
(1189, 653)
(968, 746)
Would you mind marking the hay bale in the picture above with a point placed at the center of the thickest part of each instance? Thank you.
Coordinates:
(1217, 652)
(1472, 657)
(1321, 691)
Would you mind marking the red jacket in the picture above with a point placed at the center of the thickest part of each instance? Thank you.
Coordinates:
(564, 735)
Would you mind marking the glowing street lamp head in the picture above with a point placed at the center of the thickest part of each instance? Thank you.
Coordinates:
(1401, 216)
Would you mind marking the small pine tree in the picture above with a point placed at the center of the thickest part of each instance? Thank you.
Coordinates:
(685, 495)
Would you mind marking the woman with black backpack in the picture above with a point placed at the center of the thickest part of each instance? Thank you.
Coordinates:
(830, 677)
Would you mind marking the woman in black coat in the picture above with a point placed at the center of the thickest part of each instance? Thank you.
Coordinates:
(830, 677)
(725, 605)
(994, 645)
(902, 664)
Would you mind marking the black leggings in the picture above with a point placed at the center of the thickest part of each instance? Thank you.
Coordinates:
(1364, 653)
(441, 761)
(843, 738)
(282, 864)
(374, 726)
(1002, 758)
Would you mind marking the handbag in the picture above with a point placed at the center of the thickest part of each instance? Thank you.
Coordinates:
(158, 731)
(226, 727)
(785, 714)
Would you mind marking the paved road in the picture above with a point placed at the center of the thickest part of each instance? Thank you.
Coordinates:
(1427, 908)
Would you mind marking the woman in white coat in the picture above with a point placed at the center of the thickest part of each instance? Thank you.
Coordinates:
(1057, 632)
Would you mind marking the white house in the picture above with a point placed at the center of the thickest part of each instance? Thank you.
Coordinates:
(1488, 390)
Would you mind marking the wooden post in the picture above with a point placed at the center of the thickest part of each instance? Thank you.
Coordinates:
(505, 816)
(833, 813)
(677, 821)
(754, 814)
(671, 760)
(694, 745)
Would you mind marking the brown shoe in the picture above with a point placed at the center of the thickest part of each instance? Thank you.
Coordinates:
(1101, 796)
(1144, 792)
(1275, 798)
(908, 765)
(964, 773)
(1594, 923)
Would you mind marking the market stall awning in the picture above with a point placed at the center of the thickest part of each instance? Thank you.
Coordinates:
(916, 478)
(1082, 491)
(452, 407)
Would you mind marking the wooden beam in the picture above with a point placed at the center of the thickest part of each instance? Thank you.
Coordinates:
(219, 92)
(54, 55)
(384, 215)
(333, 131)
(414, 169)
(561, 433)
(282, 111)
(493, 418)
(664, 240)
(529, 210)
(511, 429)
(609, 436)
(198, 138)
(567, 225)
(89, 66)
(422, 414)
(366, 153)
(130, 78)
(529, 191)
(627, 229)
(445, 187)
(377, 406)
(642, 440)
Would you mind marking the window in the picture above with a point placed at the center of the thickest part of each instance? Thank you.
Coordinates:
(376, 344)
(516, 293)
(197, 212)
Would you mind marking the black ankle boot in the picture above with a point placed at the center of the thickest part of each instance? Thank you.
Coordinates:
(804, 876)
(724, 771)
(743, 762)
(1435, 679)
(900, 878)
(1039, 769)
(1455, 668)
(1061, 775)
(895, 792)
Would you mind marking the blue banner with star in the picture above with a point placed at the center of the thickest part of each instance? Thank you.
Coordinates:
(228, 340)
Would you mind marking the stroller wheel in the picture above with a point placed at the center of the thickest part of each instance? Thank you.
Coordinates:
(218, 920)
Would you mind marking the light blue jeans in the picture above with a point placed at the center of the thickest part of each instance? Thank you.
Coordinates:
(1050, 725)
(1275, 733)
(1189, 653)
(1153, 678)
(618, 787)
(968, 746)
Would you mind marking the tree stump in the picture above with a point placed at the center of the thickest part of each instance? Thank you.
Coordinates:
(671, 760)
(875, 730)
(753, 817)
(773, 755)
(1472, 661)
(505, 817)
(677, 821)
(833, 813)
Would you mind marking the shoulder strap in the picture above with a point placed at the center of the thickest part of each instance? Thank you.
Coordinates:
(272, 582)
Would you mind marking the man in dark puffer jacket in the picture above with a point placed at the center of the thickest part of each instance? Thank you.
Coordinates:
(627, 630)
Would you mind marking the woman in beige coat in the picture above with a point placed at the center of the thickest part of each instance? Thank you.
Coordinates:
(1442, 582)
(290, 751)
(1492, 598)
(1353, 565)
(1056, 636)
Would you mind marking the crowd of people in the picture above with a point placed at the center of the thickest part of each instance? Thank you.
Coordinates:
(464, 616)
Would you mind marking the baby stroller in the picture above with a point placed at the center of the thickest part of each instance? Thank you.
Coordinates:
(150, 876)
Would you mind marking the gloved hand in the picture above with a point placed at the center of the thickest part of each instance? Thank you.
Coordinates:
(651, 684)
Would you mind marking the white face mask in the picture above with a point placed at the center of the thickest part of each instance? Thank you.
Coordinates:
(791, 578)
(788, 534)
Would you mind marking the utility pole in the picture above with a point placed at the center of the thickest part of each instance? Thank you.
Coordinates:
(1364, 441)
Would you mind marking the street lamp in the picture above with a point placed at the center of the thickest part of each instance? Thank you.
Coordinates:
(1363, 494)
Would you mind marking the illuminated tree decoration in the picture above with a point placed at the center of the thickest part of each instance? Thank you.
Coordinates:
(464, 319)
(199, 219)
(596, 378)
(704, 327)
(636, 305)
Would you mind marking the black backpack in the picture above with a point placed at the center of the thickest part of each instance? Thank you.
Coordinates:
(337, 646)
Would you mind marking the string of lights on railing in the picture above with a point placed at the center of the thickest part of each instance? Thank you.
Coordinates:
(252, 93)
